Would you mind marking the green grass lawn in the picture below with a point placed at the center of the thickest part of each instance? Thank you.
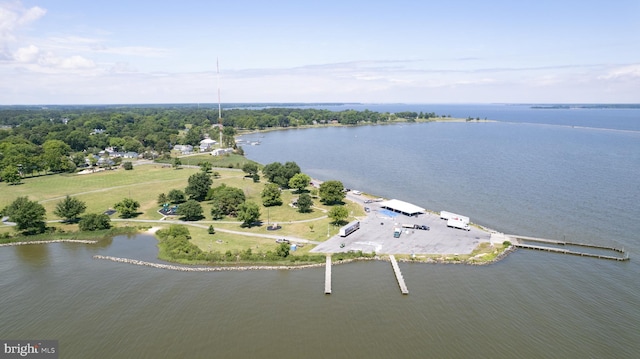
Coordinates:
(101, 190)
(225, 161)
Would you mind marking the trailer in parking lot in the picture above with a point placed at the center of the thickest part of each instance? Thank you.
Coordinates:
(448, 215)
(456, 223)
(349, 228)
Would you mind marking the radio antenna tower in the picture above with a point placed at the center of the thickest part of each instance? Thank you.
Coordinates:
(219, 104)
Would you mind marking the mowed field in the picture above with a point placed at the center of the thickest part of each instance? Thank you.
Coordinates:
(102, 190)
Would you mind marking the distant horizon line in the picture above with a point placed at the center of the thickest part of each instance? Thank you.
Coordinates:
(330, 103)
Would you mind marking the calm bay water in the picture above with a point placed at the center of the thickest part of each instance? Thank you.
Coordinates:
(528, 176)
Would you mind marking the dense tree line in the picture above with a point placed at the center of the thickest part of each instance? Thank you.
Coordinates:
(58, 138)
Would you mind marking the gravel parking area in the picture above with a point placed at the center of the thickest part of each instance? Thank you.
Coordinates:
(376, 234)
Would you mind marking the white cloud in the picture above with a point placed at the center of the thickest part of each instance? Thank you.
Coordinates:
(99, 45)
(629, 72)
(133, 51)
(76, 62)
(65, 54)
(13, 16)
(26, 54)
(32, 14)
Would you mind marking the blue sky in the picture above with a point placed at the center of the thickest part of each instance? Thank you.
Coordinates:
(95, 52)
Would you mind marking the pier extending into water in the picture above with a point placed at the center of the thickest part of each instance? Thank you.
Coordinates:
(399, 277)
(327, 276)
(517, 243)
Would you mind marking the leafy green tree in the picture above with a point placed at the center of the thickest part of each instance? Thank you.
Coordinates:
(299, 181)
(256, 178)
(304, 203)
(20, 152)
(56, 155)
(117, 143)
(216, 213)
(271, 195)
(176, 196)
(191, 210)
(198, 186)
(128, 166)
(338, 214)
(177, 162)
(78, 159)
(127, 208)
(28, 215)
(250, 168)
(248, 213)
(331, 192)
(70, 208)
(228, 134)
(211, 230)
(11, 175)
(290, 169)
(206, 167)
(226, 199)
(193, 136)
(162, 199)
(94, 222)
(272, 170)
(78, 140)
(283, 250)
(131, 144)
(280, 174)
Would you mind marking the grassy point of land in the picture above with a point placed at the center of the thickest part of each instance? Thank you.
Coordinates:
(101, 190)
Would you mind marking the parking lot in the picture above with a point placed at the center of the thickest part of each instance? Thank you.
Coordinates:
(376, 234)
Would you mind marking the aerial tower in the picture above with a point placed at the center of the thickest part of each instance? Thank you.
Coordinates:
(219, 104)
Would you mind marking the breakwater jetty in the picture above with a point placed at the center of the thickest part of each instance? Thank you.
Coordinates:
(517, 241)
(50, 241)
(202, 269)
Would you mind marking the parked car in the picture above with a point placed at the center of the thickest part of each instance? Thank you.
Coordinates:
(421, 226)
(282, 240)
(366, 209)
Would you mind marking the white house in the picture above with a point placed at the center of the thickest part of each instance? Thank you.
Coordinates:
(221, 151)
(184, 149)
(207, 144)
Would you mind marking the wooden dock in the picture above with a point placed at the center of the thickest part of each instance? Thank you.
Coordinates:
(396, 270)
(327, 276)
(564, 251)
(566, 243)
